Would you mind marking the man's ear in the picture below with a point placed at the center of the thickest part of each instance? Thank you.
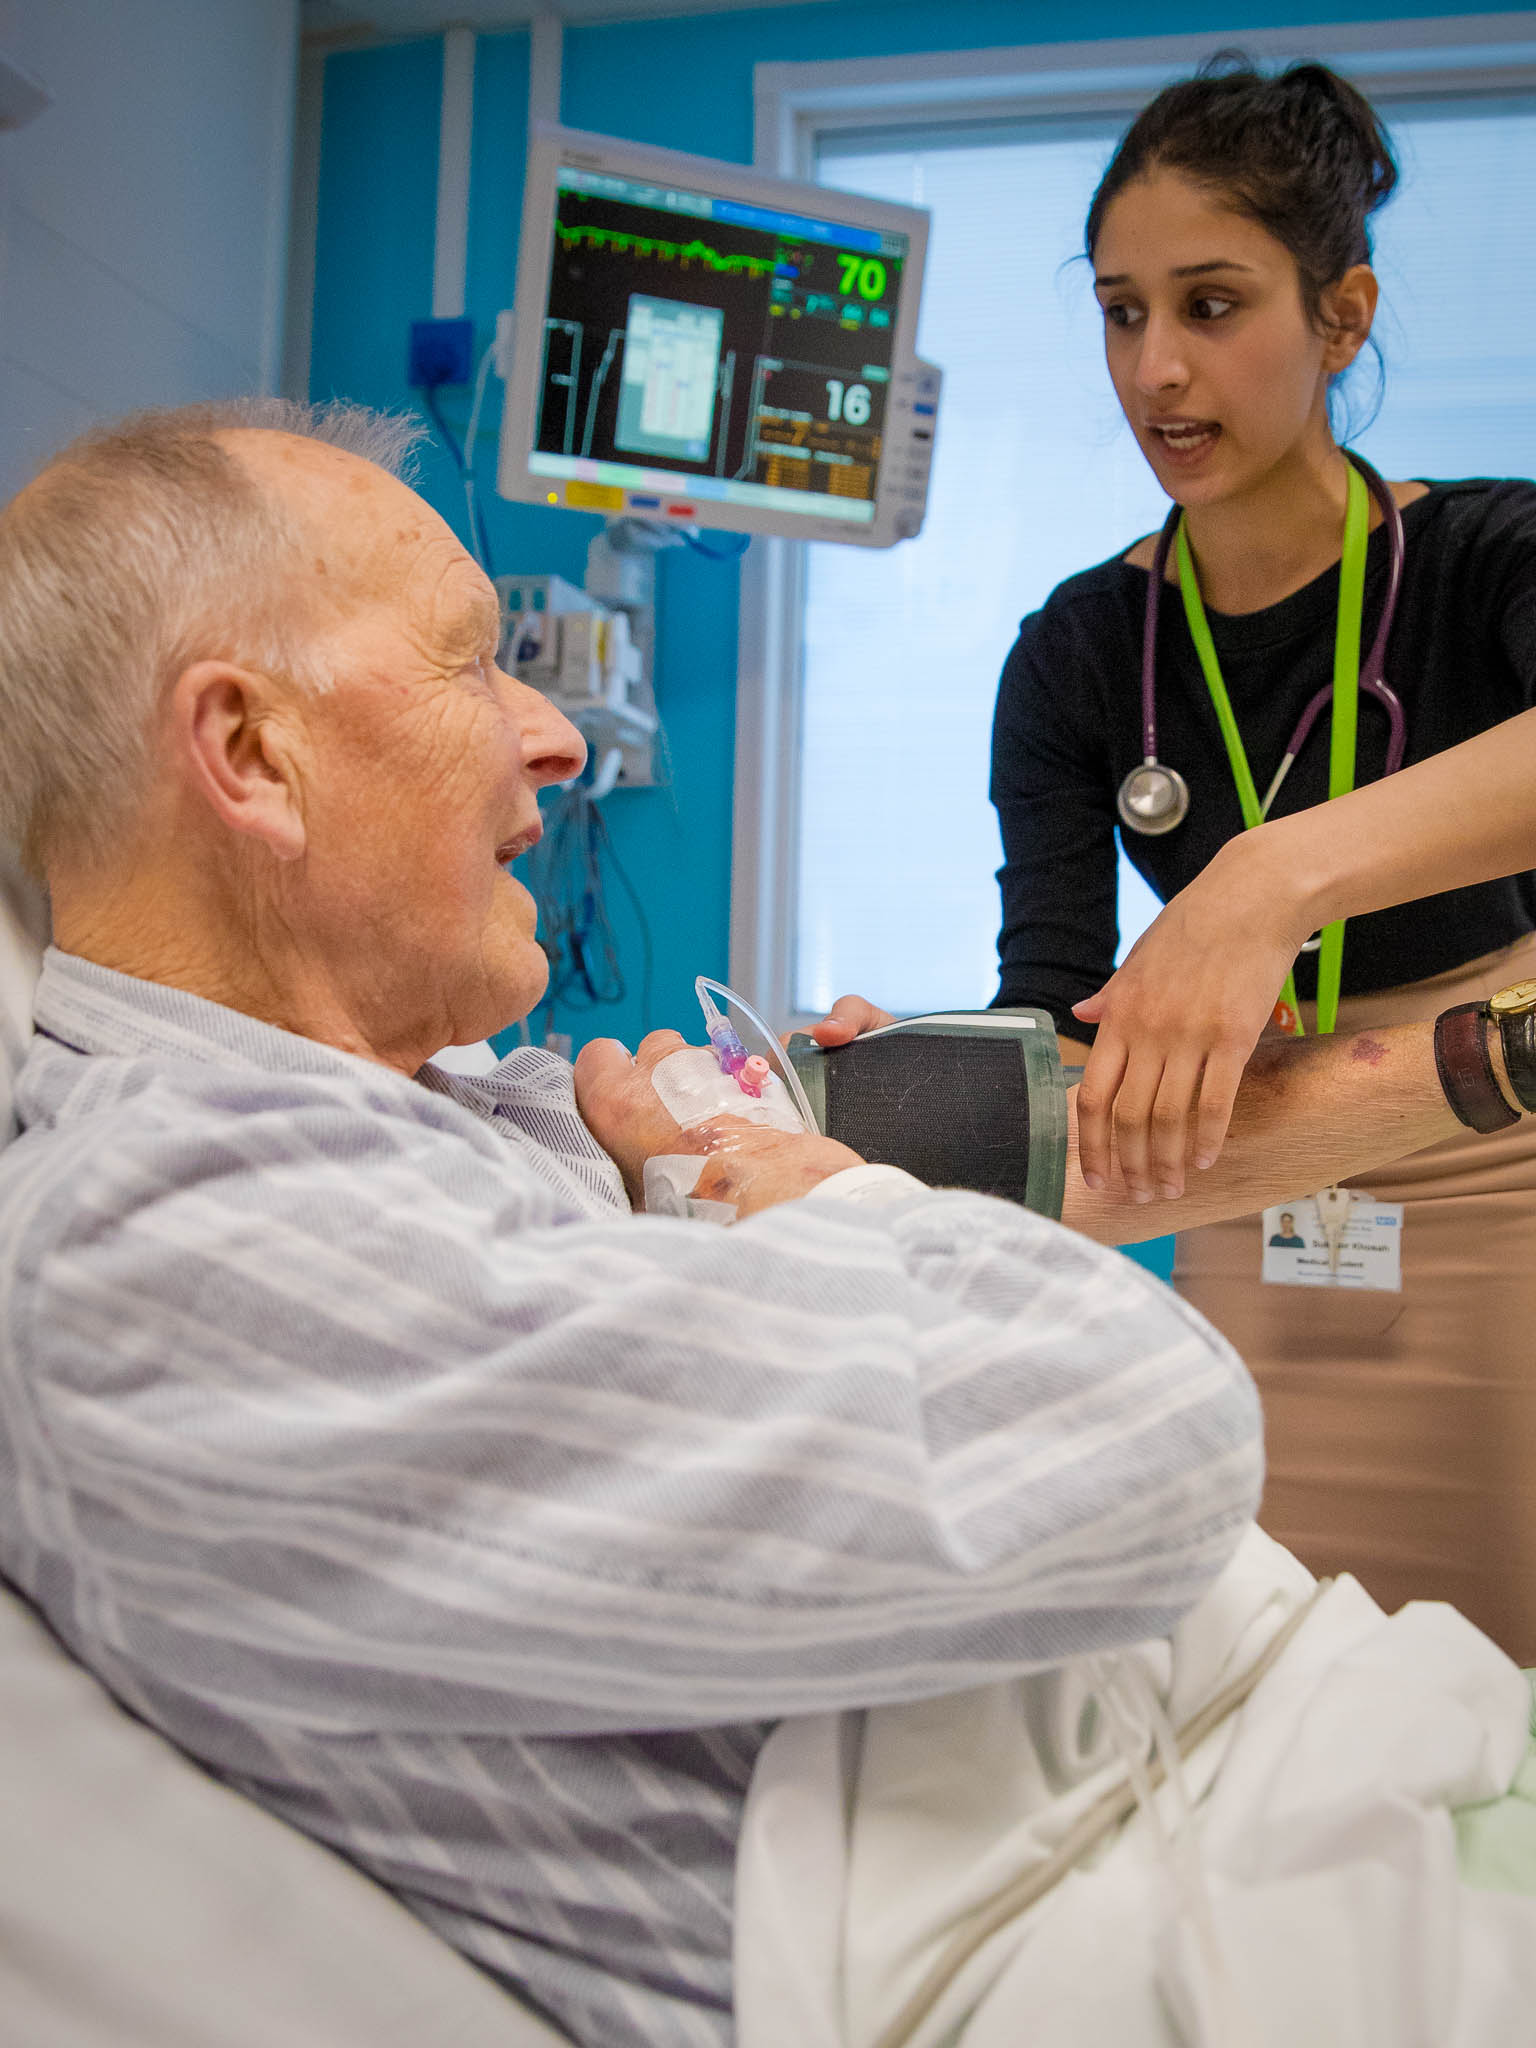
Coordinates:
(233, 743)
(1348, 309)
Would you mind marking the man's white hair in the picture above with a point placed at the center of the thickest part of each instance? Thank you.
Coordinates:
(143, 546)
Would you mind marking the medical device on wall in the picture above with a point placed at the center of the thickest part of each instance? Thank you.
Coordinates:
(701, 345)
(590, 655)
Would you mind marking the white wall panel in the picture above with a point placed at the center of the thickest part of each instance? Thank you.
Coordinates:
(143, 214)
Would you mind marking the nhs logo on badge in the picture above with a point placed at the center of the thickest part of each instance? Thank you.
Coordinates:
(1387, 1222)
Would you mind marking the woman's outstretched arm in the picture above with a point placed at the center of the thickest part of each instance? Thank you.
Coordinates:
(1179, 1019)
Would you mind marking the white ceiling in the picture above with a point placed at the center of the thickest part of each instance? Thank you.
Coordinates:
(347, 18)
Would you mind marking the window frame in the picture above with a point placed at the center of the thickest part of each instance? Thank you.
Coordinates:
(1444, 57)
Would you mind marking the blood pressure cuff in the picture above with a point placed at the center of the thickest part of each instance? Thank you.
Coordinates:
(968, 1099)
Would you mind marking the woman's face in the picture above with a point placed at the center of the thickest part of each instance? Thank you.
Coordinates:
(1219, 370)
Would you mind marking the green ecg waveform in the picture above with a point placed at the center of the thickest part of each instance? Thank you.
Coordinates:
(623, 243)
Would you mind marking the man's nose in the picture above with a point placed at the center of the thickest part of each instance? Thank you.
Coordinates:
(553, 750)
(1160, 362)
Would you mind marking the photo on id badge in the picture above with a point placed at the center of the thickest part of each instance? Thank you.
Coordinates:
(1366, 1251)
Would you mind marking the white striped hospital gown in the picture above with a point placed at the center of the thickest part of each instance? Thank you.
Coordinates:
(358, 1437)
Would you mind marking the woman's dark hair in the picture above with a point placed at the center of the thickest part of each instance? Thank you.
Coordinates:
(1303, 154)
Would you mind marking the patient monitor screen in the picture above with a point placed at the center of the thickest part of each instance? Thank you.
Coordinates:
(725, 349)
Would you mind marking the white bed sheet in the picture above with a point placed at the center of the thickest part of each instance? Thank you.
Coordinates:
(1323, 1826)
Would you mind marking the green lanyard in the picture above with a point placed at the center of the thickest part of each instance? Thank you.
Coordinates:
(1345, 714)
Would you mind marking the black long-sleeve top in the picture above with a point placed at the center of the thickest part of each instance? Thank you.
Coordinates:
(1462, 657)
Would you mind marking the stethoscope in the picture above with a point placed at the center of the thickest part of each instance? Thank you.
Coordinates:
(1153, 798)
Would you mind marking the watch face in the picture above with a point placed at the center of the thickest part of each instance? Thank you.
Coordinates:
(1513, 1001)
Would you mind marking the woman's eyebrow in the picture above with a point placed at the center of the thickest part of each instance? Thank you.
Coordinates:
(1184, 270)
(1204, 269)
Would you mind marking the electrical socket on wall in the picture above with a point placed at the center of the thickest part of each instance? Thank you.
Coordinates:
(442, 352)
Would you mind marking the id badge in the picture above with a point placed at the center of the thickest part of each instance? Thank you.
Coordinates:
(1370, 1256)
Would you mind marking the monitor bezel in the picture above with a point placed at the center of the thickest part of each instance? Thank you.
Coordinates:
(549, 149)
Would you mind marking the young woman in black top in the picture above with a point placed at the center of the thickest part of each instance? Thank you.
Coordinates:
(1231, 258)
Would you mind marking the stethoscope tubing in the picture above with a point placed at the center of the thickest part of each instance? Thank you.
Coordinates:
(1372, 677)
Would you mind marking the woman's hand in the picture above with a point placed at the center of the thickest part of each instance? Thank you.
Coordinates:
(849, 1018)
(1178, 1022)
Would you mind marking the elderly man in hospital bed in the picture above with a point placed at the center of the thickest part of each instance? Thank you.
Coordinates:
(842, 1628)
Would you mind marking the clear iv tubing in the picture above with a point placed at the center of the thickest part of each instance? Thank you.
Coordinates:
(723, 1038)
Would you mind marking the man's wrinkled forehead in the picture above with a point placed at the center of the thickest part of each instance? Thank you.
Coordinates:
(364, 525)
(370, 539)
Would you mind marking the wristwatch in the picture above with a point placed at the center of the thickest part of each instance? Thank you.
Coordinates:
(1465, 1065)
(1513, 1009)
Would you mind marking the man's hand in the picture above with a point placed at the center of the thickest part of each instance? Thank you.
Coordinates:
(849, 1018)
(749, 1165)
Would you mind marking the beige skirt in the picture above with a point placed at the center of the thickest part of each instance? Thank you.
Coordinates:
(1400, 1429)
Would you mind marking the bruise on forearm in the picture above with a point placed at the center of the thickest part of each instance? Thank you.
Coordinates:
(1309, 1112)
(1279, 1062)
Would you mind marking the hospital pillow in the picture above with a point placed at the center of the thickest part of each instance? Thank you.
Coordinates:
(23, 934)
(144, 1905)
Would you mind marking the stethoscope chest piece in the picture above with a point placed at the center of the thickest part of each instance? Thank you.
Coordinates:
(1153, 799)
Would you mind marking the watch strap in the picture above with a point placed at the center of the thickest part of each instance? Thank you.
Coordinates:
(1517, 1039)
(1465, 1067)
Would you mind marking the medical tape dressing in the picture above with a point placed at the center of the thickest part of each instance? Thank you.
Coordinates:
(694, 1089)
(722, 1079)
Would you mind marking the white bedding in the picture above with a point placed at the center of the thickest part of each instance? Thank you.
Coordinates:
(1326, 1851)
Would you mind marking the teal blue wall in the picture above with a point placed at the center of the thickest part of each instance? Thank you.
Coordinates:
(685, 82)
(1156, 1255)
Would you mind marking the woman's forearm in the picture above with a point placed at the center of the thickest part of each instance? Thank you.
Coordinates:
(1465, 816)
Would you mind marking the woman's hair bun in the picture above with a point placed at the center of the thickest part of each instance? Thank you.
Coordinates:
(1360, 123)
(1301, 152)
